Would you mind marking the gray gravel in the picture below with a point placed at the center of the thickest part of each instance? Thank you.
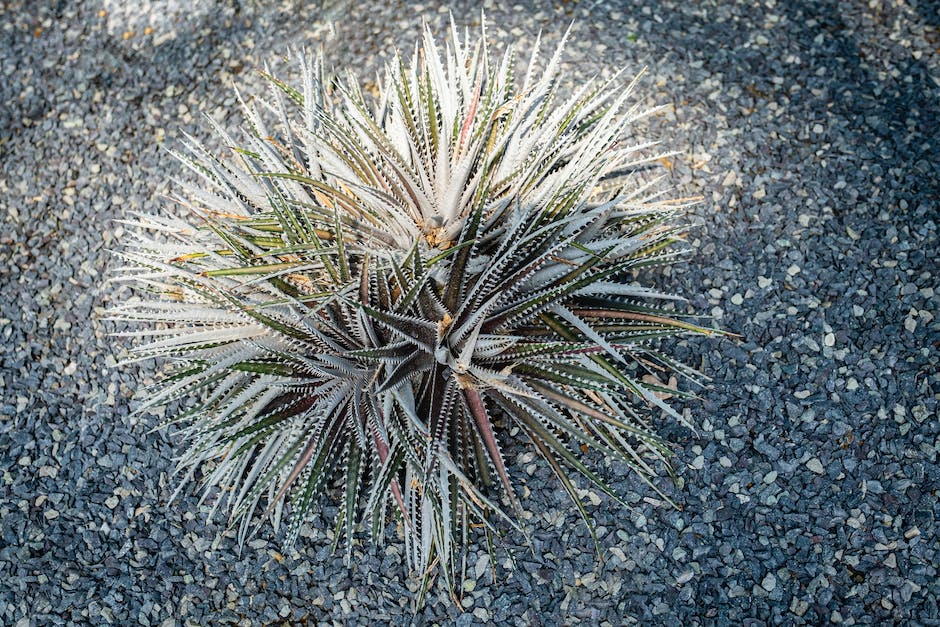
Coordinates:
(810, 492)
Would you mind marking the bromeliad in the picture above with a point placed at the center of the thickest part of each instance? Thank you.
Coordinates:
(371, 293)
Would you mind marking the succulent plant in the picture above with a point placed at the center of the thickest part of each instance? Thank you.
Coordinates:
(371, 291)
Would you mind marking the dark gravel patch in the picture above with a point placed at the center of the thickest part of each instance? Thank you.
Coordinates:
(811, 492)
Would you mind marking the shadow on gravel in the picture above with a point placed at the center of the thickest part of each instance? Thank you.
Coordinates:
(930, 14)
(883, 112)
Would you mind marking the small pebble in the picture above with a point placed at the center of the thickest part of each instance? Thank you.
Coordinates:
(815, 465)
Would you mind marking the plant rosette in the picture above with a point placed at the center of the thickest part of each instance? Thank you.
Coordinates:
(370, 293)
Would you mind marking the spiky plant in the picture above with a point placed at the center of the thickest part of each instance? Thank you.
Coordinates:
(371, 292)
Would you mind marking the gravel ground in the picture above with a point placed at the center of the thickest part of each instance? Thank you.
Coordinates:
(810, 492)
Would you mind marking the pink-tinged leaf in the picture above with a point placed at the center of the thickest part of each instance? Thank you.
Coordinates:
(382, 449)
(305, 457)
(298, 468)
(485, 428)
(470, 115)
